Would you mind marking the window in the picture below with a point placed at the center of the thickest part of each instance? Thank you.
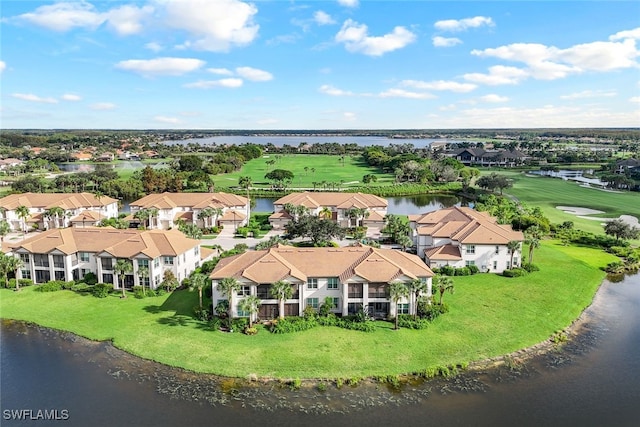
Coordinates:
(354, 307)
(515, 262)
(336, 303)
(107, 264)
(42, 276)
(263, 292)
(312, 283)
(58, 261)
(403, 308)
(355, 290)
(495, 265)
(312, 302)
(332, 283)
(24, 258)
(26, 274)
(196, 250)
(84, 256)
(378, 290)
(497, 250)
(107, 278)
(244, 291)
(241, 313)
(59, 275)
(41, 260)
(156, 262)
(143, 263)
(470, 249)
(168, 260)
(470, 263)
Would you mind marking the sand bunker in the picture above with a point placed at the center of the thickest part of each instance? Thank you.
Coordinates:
(583, 212)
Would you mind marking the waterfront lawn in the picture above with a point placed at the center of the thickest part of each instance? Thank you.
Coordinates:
(489, 315)
(327, 168)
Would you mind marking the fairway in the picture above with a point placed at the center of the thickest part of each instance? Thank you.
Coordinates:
(307, 168)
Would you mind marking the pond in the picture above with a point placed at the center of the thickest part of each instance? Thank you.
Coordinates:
(120, 165)
(592, 381)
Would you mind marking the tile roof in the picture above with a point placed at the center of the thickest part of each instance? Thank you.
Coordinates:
(339, 200)
(443, 253)
(466, 226)
(50, 200)
(280, 262)
(118, 243)
(191, 200)
(91, 216)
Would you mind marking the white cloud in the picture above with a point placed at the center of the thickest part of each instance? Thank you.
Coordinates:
(103, 106)
(126, 19)
(34, 98)
(498, 75)
(349, 116)
(629, 34)
(401, 93)
(440, 85)
(161, 66)
(493, 98)
(348, 3)
(323, 18)
(635, 99)
(210, 84)
(71, 97)
(355, 38)
(254, 74)
(153, 46)
(220, 71)
(590, 94)
(464, 24)
(169, 120)
(215, 26)
(65, 16)
(264, 122)
(445, 42)
(330, 90)
(3, 66)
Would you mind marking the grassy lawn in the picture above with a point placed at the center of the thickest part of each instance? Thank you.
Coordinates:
(490, 315)
(547, 193)
(327, 168)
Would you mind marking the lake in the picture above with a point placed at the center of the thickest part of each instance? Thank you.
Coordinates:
(592, 381)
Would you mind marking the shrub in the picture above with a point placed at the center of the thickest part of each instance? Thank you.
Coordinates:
(309, 313)
(462, 271)
(25, 282)
(81, 287)
(203, 314)
(11, 284)
(90, 279)
(68, 285)
(239, 324)
(138, 292)
(431, 311)
(473, 269)
(251, 331)
(407, 321)
(447, 270)
(515, 272)
(530, 267)
(102, 290)
(52, 286)
(292, 324)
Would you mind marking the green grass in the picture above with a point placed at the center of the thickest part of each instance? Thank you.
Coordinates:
(547, 193)
(490, 315)
(328, 168)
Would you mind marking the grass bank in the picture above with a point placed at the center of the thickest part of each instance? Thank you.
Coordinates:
(490, 316)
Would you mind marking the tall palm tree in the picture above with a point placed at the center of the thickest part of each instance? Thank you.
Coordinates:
(228, 286)
(5, 228)
(281, 290)
(198, 281)
(142, 215)
(23, 213)
(57, 213)
(13, 264)
(512, 246)
(204, 215)
(533, 236)
(252, 305)
(153, 213)
(143, 274)
(122, 267)
(398, 291)
(325, 212)
(245, 182)
(416, 287)
(443, 284)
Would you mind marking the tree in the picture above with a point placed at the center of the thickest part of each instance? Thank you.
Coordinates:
(443, 284)
(204, 215)
(621, 230)
(398, 291)
(13, 264)
(416, 287)
(395, 226)
(198, 281)
(143, 216)
(143, 275)
(533, 235)
(325, 213)
(23, 213)
(404, 241)
(280, 177)
(169, 281)
(122, 267)
(493, 181)
(228, 287)
(359, 214)
(191, 231)
(245, 182)
(513, 246)
(369, 178)
(5, 228)
(250, 304)
(318, 230)
(282, 291)
(56, 213)
(190, 163)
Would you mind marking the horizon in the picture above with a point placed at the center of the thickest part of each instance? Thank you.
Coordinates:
(350, 65)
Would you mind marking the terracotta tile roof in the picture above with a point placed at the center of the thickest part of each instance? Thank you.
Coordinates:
(190, 200)
(280, 215)
(50, 200)
(185, 216)
(340, 200)
(443, 253)
(118, 243)
(232, 215)
(91, 216)
(280, 262)
(466, 226)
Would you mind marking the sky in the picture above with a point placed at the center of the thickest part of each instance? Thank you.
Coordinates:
(345, 64)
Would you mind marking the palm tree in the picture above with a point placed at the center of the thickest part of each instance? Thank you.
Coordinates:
(443, 284)
(398, 291)
(228, 287)
(198, 281)
(533, 235)
(416, 287)
(325, 212)
(204, 215)
(252, 305)
(142, 215)
(13, 264)
(513, 246)
(55, 212)
(153, 213)
(245, 182)
(143, 274)
(122, 267)
(281, 290)
(5, 228)
(23, 213)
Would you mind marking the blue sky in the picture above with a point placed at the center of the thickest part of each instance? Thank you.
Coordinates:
(348, 64)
